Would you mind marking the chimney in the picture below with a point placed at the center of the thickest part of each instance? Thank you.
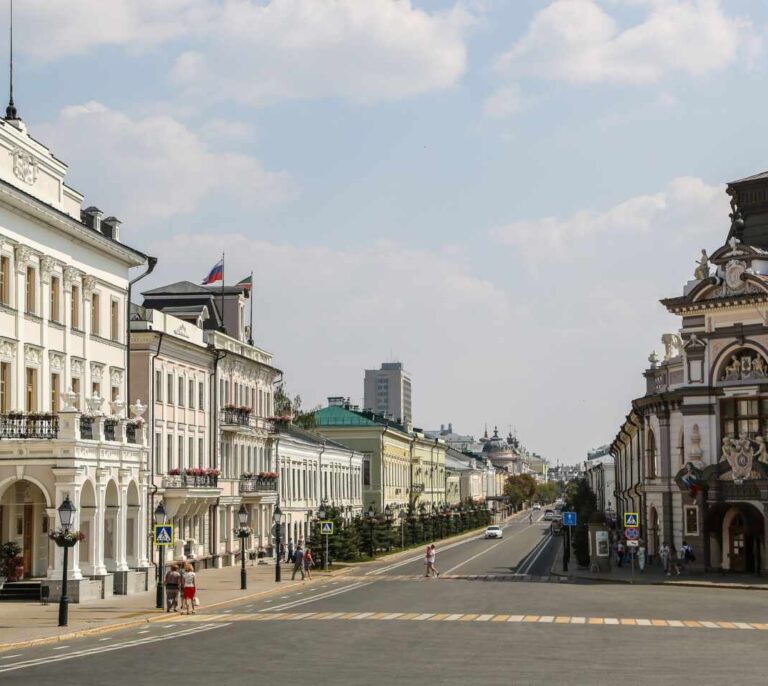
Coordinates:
(91, 217)
(110, 227)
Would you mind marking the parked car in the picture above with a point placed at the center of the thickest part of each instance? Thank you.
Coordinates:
(494, 531)
(548, 515)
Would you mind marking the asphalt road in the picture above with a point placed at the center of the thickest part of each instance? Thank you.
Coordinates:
(482, 622)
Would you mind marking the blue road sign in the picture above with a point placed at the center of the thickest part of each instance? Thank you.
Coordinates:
(163, 534)
(631, 519)
(569, 519)
(326, 528)
(632, 533)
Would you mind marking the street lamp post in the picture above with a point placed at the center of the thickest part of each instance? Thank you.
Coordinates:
(401, 517)
(66, 517)
(243, 533)
(321, 516)
(371, 514)
(277, 517)
(388, 516)
(160, 518)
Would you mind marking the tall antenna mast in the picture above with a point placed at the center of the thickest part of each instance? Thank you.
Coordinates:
(10, 111)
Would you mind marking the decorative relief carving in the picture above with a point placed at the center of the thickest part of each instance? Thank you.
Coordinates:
(56, 361)
(77, 367)
(116, 377)
(23, 253)
(47, 264)
(7, 349)
(745, 366)
(97, 371)
(741, 453)
(89, 283)
(25, 166)
(673, 344)
(70, 276)
(32, 356)
(733, 271)
(181, 331)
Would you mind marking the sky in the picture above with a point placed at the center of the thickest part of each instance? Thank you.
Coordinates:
(494, 192)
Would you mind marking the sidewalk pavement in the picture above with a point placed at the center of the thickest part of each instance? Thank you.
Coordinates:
(30, 623)
(654, 575)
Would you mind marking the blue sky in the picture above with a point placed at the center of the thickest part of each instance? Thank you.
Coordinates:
(495, 192)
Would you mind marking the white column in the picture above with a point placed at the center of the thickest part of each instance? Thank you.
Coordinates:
(73, 562)
(99, 568)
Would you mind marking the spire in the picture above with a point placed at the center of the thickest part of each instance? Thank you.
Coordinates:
(10, 112)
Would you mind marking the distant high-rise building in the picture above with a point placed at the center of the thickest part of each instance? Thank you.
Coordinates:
(388, 392)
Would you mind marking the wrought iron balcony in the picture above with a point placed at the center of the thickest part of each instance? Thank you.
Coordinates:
(18, 426)
(236, 418)
(190, 481)
(256, 485)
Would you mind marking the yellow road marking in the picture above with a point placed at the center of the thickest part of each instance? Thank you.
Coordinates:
(659, 622)
(629, 622)
(531, 618)
(726, 625)
(468, 618)
(437, 618)
(562, 620)
(501, 618)
(595, 620)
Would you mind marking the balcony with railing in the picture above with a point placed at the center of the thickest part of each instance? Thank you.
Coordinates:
(29, 426)
(242, 420)
(255, 484)
(194, 479)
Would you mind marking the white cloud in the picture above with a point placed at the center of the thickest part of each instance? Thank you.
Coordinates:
(153, 168)
(578, 41)
(506, 102)
(263, 52)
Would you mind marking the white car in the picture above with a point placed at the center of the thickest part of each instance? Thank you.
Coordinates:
(494, 531)
(536, 506)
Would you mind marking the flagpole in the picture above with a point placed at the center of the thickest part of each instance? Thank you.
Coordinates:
(223, 325)
(250, 295)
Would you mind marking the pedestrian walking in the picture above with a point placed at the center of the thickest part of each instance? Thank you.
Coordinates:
(281, 553)
(172, 587)
(298, 563)
(428, 562)
(189, 590)
(433, 554)
(308, 562)
(289, 558)
(674, 559)
(688, 555)
(641, 556)
(530, 517)
(619, 552)
(664, 556)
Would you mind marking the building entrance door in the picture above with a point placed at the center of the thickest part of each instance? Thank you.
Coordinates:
(28, 538)
(738, 549)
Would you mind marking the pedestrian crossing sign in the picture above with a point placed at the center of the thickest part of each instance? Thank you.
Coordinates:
(631, 519)
(326, 528)
(164, 534)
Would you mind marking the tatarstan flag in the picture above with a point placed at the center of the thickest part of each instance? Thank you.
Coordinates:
(246, 283)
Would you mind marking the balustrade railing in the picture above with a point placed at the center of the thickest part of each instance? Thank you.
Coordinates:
(190, 481)
(236, 417)
(131, 433)
(86, 428)
(14, 426)
(109, 429)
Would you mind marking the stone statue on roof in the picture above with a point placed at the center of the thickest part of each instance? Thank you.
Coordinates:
(702, 271)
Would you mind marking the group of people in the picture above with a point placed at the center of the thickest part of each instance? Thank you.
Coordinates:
(674, 561)
(184, 582)
(302, 559)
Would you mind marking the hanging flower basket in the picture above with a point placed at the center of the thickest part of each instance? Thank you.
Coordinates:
(66, 539)
(242, 532)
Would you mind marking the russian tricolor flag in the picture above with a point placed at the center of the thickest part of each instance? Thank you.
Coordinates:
(216, 274)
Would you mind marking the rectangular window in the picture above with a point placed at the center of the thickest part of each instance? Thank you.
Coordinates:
(366, 471)
(181, 452)
(75, 308)
(200, 396)
(191, 454)
(95, 318)
(169, 385)
(55, 313)
(169, 456)
(744, 416)
(5, 280)
(200, 453)
(180, 397)
(159, 453)
(96, 389)
(191, 394)
(31, 285)
(115, 394)
(31, 390)
(55, 390)
(158, 387)
(114, 320)
(691, 520)
(76, 391)
(5, 387)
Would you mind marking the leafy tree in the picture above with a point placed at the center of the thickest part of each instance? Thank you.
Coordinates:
(285, 407)
(580, 498)
(546, 492)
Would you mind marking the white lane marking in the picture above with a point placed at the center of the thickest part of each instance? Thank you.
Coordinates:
(483, 618)
(8, 657)
(146, 631)
(423, 617)
(452, 618)
(643, 622)
(60, 648)
(248, 607)
(322, 596)
(108, 638)
(109, 648)
(542, 545)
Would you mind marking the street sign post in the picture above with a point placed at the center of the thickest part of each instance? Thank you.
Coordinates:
(631, 519)
(569, 519)
(633, 544)
(164, 534)
(326, 528)
(632, 533)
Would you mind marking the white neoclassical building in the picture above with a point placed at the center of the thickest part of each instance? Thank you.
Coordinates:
(64, 282)
(314, 470)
